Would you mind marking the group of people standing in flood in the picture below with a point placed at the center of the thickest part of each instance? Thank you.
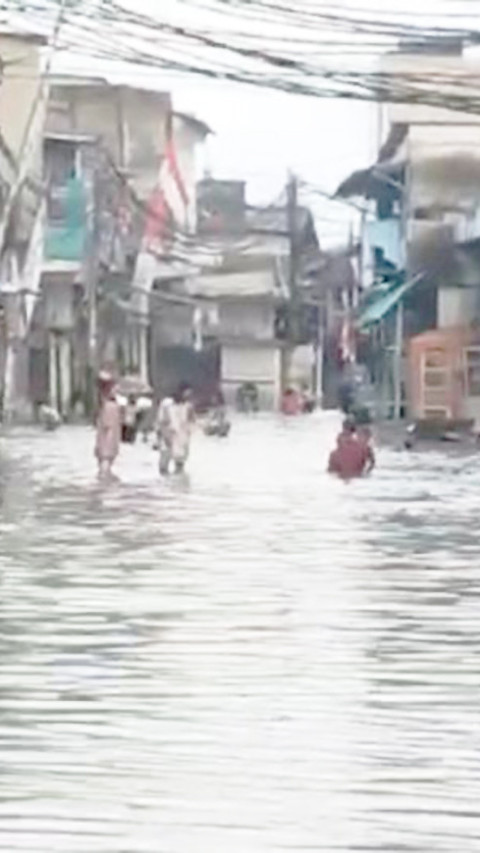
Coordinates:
(173, 426)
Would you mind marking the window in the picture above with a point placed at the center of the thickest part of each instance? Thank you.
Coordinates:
(61, 159)
(435, 359)
(472, 364)
(435, 376)
(435, 379)
(435, 370)
(436, 414)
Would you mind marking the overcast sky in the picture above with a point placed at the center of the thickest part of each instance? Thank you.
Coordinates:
(265, 135)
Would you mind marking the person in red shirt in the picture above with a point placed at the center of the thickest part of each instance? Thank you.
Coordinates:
(354, 455)
(291, 403)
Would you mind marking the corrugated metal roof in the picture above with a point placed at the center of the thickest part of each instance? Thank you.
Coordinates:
(76, 81)
(237, 285)
(375, 182)
(197, 123)
(384, 304)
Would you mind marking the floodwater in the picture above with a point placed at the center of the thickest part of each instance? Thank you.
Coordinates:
(253, 658)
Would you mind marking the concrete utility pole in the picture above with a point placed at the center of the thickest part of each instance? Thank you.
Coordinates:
(292, 223)
(398, 377)
(292, 232)
(92, 294)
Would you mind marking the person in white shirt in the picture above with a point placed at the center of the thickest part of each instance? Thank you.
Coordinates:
(174, 425)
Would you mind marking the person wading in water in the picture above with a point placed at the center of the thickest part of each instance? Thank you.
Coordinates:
(353, 456)
(107, 443)
(174, 427)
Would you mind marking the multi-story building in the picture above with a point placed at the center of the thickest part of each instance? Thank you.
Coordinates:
(230, 324)
(109, 155)
(421, 239)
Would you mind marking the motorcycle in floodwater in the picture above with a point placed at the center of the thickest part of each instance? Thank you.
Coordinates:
(217, 424)
(218, 430)
(49, 418)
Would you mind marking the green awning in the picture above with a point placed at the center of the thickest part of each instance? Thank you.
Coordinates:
(384, 304)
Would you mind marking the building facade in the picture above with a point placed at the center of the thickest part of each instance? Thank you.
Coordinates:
(120, 173)
(422, 268)
(231, 322)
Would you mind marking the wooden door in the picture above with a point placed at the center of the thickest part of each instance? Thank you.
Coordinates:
(436, 391)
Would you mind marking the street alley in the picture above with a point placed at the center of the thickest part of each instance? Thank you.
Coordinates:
(253, 658)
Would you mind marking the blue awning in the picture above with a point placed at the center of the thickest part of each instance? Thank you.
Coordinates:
(384, 304)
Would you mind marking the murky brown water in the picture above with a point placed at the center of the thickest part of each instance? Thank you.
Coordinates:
(256, 658)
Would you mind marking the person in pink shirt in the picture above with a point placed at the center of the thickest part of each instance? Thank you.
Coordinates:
(291, 403)
(108, 435)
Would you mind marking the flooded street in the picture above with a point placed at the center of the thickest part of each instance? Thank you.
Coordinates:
(253, 658)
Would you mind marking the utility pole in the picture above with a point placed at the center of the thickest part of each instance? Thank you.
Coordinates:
(292, 225)
(92, 292)
(292, 230)
(400, 312)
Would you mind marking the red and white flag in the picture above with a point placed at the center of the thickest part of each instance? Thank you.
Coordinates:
(168, 205)
(166, 216)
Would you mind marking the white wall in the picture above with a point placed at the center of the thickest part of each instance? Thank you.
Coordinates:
(442, 147)
(433, 67)
(243, 319)
(130, 122)
(302, 362)
(261, 365)
(456, 306)
(244, 284)
(445, 165)
(432, 140)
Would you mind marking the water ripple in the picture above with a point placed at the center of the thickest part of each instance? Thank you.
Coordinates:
(251, 658)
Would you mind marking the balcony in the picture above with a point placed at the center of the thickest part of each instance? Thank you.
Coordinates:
(66, 233)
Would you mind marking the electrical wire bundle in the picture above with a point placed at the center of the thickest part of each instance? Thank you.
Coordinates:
(312, 47)
(301, 48)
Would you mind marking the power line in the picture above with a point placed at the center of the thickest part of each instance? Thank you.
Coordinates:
(134, 38)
